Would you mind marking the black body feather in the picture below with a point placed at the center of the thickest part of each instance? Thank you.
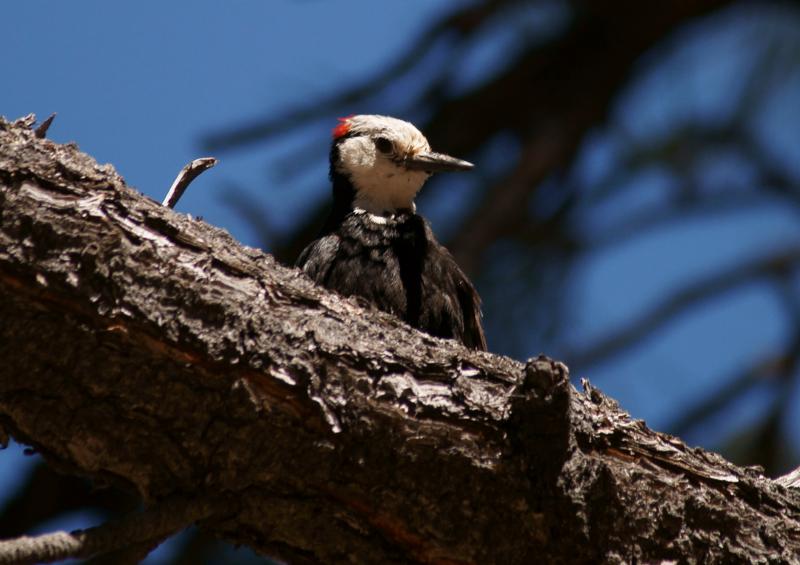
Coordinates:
(401, 269)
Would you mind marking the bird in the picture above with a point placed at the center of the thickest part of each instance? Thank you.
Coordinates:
(376, 247)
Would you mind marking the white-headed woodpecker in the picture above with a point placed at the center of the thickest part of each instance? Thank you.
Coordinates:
(374, 244)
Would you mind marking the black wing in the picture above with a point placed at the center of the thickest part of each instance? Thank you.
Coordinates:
(473, 336)
(318, 256)
(451, 298)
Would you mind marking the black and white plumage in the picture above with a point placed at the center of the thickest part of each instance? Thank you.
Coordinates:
(374, 244)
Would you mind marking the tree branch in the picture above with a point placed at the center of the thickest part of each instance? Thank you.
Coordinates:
(150, 350)
(152, 525)
(187, 174)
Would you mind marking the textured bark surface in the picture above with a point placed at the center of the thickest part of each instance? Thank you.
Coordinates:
(145, 348)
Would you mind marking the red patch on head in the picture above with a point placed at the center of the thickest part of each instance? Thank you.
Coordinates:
(342, 128)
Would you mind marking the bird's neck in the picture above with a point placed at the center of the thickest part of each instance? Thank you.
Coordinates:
(347, 198)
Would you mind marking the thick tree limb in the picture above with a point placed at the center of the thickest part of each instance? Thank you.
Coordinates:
(142, 347)
(791, 479)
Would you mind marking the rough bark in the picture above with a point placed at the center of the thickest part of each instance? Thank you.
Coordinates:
(148, 349)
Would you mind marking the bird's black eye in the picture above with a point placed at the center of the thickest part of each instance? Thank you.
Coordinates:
(384, 145)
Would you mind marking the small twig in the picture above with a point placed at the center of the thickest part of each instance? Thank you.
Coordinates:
(41, 130)
(152, 525)
(187, 175)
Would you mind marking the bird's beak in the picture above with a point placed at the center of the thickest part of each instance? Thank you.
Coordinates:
(436, 162)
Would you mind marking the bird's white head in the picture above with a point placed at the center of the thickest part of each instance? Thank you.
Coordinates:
(386, 161)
